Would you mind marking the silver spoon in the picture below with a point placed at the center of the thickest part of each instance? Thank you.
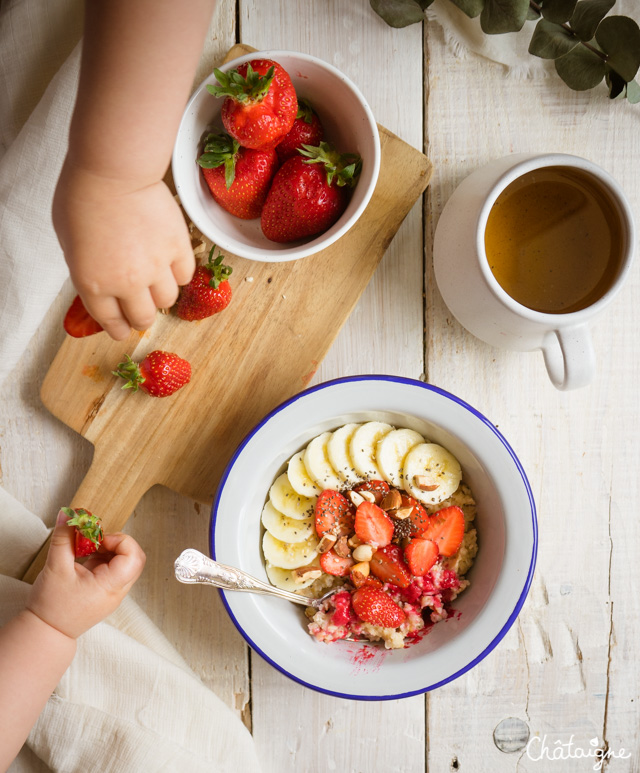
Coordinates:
(194, 568)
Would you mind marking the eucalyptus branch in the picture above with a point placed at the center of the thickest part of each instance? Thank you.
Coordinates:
(586, 45)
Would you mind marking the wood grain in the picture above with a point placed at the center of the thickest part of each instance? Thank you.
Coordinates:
(265, 347)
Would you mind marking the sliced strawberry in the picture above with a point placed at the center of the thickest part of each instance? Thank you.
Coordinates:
(374, 606)
(388, 565)
(377, 487)
(373, 525)
(446, 529)
(333, 513)
(421, 555)
(419, 517)
(78, 322)
(332, 563)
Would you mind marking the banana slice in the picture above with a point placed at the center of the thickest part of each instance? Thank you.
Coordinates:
(363, 447)
(288, 501)
(318, 465)
(340, 456)
(299, 477)
(391, 452)
(283, 578)
(289, 555)
(286, 529)
(437, 466)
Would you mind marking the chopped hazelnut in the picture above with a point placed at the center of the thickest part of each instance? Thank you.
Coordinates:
(355, 498)
(368, 495)
(363, 552)
(342, 548)
(303, 573)
(401, 513)
(424, 483)
(392, 500)
(354, 541)
(327, 542)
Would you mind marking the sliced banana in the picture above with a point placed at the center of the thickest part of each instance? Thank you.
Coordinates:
(340, 455)
(434, 463)
(299, 478)
(316, 460)
(288, 501)
(289, 555)
(391, 452)
(284, 528)
(362, 448)
(283, 578)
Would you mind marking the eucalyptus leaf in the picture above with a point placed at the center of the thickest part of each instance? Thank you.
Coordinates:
(587, 15)
(550, 41)
(619, 38)
(580, 69)
(500, 16)
(400, 13)
(471, 8)
(558, 11)
(633, 92)
(615, 84)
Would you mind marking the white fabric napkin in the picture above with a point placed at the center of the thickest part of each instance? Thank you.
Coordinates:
(128, 702)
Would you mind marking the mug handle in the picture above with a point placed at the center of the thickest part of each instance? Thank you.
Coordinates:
(569, 357)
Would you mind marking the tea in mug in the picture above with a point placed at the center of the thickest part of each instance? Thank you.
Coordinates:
(554, 240)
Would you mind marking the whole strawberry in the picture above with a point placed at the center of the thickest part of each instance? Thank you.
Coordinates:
(208, 292)
(78, 322)
(260, 102)
(306, 130)
(308, 193)
(238, 177)
(88, 536)
(160, 373)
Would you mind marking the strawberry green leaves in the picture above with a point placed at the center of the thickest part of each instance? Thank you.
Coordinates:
(586, 47)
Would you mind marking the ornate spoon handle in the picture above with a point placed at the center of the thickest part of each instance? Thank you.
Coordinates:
(193, 567)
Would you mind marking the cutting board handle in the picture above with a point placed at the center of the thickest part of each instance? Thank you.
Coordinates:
(106, 492)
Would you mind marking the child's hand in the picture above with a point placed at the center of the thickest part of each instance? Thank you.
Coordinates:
(126, 244)
(73, 597)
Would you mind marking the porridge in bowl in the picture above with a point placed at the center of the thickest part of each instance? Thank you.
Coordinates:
(381, 516)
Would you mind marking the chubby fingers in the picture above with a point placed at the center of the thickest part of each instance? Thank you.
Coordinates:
(109, 314)
(127, 562)
(61, 555)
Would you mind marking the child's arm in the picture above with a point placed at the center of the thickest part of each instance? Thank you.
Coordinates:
(37, 646)
(123, 235)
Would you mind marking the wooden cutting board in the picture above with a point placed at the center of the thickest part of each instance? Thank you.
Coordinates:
(262, 349)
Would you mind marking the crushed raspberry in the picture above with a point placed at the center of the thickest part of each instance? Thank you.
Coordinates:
(344, 613)
(449, 579)
(412, 593)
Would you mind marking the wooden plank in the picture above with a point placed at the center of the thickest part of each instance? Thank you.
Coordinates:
(296, 729)
(557, 668)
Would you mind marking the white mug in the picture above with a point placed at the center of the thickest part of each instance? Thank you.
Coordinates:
(478, 301)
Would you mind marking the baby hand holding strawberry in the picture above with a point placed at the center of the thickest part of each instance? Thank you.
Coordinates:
(68, 597)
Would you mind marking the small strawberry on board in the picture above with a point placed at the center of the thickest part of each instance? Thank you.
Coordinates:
(88, 534)
(78, 322)
(260, 103)
(238, 178)
(208, 292)
(309, 193)
(159, 374)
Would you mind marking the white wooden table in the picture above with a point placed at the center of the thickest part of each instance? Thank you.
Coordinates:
(568, 667)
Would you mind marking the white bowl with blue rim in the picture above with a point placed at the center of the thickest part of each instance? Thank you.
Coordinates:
(500, 576)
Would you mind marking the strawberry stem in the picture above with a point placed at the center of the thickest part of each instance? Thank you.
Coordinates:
(85, 522)
(130, 371)
(219, 271)
(251, 88)
(344, 168)
(221, 149)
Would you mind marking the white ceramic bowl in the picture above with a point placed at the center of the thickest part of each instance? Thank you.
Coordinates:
(348, 123)
(500, 577)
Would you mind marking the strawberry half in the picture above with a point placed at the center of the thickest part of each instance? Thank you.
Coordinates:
(160, 373)
(306, 130)
(238, 177)
(208, 292)
(260, 103)
(446, 529)
(78, 322)
(374, 606)
(419, 517)
(332, 563)
(308, 193)
(88, 536)
(372, 525)
(388, 565)
(421, 555)
(333, 513)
